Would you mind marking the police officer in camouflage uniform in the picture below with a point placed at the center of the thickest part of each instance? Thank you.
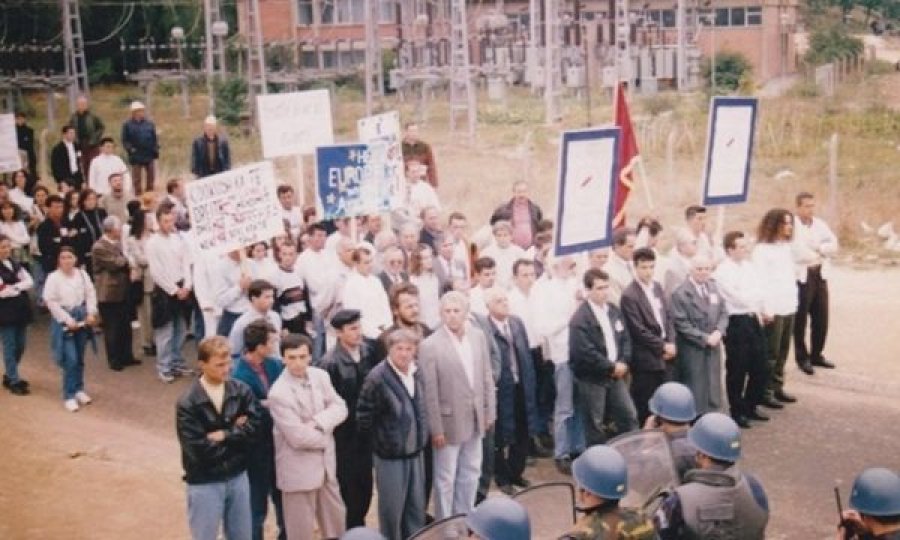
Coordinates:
(672, 405)
(602, 478)
(718, 501)
(499, 518)
(875, 500)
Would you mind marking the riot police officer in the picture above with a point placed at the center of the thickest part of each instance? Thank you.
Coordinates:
(673, 408)
(718, 500)
(875, 500)
(499, 518)
(602, 478)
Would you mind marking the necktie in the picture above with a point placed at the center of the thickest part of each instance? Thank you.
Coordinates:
(704, 291)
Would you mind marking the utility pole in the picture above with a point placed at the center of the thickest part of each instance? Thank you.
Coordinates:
(73, 42)
(462, 93)
(681, 51)
(374, 67)
(623, 43)
(552, 63)
(214, 54)
(256, 60)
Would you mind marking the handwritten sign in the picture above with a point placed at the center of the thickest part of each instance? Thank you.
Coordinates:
(732, 124)
(383, 136)
(587, 179)
(10, 160)
(294, 123)
(346, 183)
(234, 209)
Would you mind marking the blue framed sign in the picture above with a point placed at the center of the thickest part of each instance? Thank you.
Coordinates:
(588, 165)
(347, 184)
(732, 126)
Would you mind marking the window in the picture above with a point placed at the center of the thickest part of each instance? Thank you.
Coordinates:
(668, 18)
(754, 16)
(304, 12)
(328, 12)
(737, 17)
(386, 11)
(721, 16)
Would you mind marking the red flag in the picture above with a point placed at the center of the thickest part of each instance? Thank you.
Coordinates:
(628, 156)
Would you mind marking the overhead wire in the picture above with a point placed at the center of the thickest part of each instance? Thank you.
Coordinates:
(123, 21)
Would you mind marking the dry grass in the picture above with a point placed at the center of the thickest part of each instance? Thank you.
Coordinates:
(513, 142)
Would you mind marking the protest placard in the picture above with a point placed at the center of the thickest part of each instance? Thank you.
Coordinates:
(234, 209)
(383, 135)
(294, 123)
(587, 179)
(732, 125)
(346, 185)
(9, 145)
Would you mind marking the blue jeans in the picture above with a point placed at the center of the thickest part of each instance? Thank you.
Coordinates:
(568, 427)
(68, 351)
(226, 322)
(13, 348)
(226, 502)
(169, 340)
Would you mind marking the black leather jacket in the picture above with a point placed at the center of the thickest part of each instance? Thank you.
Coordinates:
(205, 461)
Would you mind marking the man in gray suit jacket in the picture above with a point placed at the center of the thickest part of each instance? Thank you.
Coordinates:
(700, 320)
(460, 402)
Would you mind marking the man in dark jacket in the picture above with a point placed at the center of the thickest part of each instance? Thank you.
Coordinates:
(347, 365)
(649, 323)
(516, 404)
(65, 161)
(599, 355)
(218, 422)
(139, 140)
(390, 415)
(89, 131)
(51, 235)
(522, 213)
(210, 153)
(112, 281)
(258, 368)
(25, 138)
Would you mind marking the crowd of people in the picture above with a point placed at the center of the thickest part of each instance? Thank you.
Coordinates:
(408, 355)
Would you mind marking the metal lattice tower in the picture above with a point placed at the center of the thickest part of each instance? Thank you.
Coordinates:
(374, 70)
(73, 41)
(623, 42)
(256, 59)
(462, 93)
(215, 48)
(552, 62)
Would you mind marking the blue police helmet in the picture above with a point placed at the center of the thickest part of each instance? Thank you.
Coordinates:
(361, 533)
(500, 518)
(674, 402)
(601, 470)
(717, 436)
(876, 492)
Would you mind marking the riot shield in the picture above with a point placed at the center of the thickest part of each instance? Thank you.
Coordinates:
(651, 467)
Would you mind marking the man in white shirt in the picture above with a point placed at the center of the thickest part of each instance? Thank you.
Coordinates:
(504, 252)
(696, 223)
(485, 276)
(364, 292)
(814, 245)
(679, 261)
(342, 230)
(261, 295)
(419, 193)
(620, 267)
(291, 214)
(104, 165)
(457, 226)
(231, 291)
(746, 373)
(169, 262)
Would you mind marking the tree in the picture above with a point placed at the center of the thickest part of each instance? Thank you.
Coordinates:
(733, 71)
(828, 44)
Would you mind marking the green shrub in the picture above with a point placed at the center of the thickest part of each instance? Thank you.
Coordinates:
(733, 72)
(231, 100)
(101, 71)
(831, 43)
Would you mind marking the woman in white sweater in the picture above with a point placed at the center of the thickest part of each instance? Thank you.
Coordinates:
(774, 261)
(72, 300)
(421, 274)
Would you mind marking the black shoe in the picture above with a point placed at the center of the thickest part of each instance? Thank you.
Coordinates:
(133, 362)
(564, 465)
(771, 404)
(784, 397)
(538, 450)
(150, 351)
(507, 490)
(429, 519)
(19, 389)
(823, 362)
(546, 440)
(741, 421)
(6, 382)
(807, 368)
(521, 482)
(117, 367)
(756, 415)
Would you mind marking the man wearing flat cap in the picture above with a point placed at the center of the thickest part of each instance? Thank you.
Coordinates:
(210, 153)
(348, 363)
(139, 140)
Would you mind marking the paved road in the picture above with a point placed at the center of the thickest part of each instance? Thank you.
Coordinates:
(112, 470)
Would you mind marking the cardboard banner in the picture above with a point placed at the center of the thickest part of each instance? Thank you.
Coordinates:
(732, 125)
(234, 209)
(383, 134)
(294, 123)
(347, 185)
(10, 161)
(587, 179)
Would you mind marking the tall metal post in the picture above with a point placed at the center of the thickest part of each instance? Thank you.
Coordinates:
(374, 69)
(73, 42)
(256, 60)
(681, 51)
(462, 93)
(552, 62)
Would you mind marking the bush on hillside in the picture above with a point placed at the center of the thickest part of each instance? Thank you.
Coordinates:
(733, 72)
(832, 43)
(231, 100)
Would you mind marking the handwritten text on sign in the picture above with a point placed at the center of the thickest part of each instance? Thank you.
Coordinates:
(294, 123)
(234, 209)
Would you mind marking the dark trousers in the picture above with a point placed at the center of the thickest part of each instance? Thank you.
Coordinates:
(746, 369)
(510, 458)
(226, 321)
(137, 176)
(602, 401)
(813, 305)
(487, 466)
(261, 474)
(778, 344)
(545, 390)
(88, 153)
(116, 333)
(354, 475)
(643, 385)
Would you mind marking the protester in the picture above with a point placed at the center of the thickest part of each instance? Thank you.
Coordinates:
(620, 266)
(88, 226)
(291, 214)
(291, 292)
(447, 268)
(72, 300)
(431, 230)
(210, 153)
(51, 235)
(139, 140)
(695, 226)
(89, 130)
(419, 193)
(15, 316)
(504, 253)
(485, 278)
(523, 215)
(25, 141)
(415, 148)
(423, 276)
(393, 273)
(66, 161)
(112, 275)
(364, 292)
(141, 281)
(13, 228)
(106, 164)
(115, 203)
(261, 296)
(679, 266)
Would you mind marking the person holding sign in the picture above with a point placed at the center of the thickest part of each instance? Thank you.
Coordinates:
(415, 148)
(365, 292)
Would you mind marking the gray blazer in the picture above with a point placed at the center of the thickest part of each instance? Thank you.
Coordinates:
(456, 409)
(695, 318)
